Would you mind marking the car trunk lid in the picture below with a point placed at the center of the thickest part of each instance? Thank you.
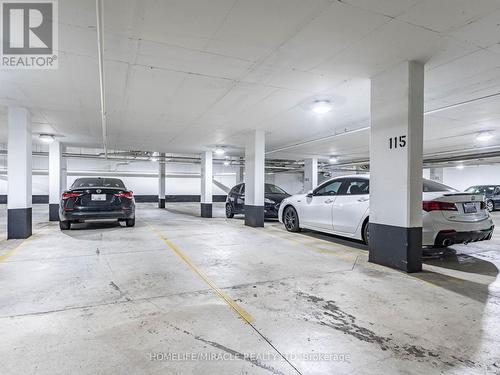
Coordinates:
(468, 206)
(98, 198)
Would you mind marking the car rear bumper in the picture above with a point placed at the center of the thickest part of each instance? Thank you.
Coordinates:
(96, 215)
(434, 225)
(450, 237)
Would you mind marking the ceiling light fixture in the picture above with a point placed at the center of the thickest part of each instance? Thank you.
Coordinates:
(46, 138)
(321, 106)
(333, 159)
(220, 151)
(460, 166)
(227, 163)
(484, 136)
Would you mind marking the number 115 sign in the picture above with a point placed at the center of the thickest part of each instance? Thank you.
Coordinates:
(397, 142)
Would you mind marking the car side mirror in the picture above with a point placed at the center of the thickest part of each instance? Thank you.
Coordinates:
(310, 194)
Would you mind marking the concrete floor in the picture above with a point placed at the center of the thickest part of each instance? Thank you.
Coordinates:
(105, 299)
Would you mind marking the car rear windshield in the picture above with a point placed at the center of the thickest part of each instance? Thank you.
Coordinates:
(481, 190)
(433, 186)
(273, 189)
(98, 182)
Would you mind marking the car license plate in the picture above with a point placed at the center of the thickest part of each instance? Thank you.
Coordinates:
(470, 208)
(98, 197)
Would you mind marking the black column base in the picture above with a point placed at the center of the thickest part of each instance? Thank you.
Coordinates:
(53, 212)
(396, 247)
(254, 216)
(206, 210)
(19, 223)
(161, 202)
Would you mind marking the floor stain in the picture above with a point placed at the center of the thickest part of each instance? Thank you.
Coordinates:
(117, 288)
(327, 313)
(233, 352)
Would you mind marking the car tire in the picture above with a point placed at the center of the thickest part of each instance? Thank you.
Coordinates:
(229, 211)
(490, 206)
(366, 233)
(64, 225)
(291, 219)
(130, 222)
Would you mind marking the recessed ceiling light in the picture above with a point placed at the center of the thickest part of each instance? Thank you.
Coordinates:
(321, 106)
(333, 159)
(46, 138)
(460, 166)
(484, 136)
(220, 151)
(227, 163)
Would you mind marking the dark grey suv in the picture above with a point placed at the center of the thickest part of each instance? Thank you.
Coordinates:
(235, 202)
(491, 193)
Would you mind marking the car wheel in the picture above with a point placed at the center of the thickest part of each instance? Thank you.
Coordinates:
(130, 222)
(64, 225)
(229, 211)
(366, 233)
(291, 219)
(489, 205)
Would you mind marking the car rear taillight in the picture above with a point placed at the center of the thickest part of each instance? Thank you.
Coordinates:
(70, 194)
(438, 206)
(125, 194)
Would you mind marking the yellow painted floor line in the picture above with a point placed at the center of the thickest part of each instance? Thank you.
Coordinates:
(11, 252)
(349, 257)
(237, 308)
(316, 240)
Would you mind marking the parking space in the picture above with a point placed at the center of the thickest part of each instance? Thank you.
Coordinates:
(125, 297)
(249, 187)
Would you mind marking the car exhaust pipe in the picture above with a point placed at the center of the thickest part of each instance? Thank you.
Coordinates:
(447, 242)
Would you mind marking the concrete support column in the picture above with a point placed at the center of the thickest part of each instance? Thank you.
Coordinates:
(206, 184)
(254, 179)
(396, 143)
(240, 172)
(161, 180)
(310, 174)
(19, 169)
(436, 174)
(55, 174)
(64, 171)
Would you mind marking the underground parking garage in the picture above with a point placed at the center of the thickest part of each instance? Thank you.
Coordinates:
(250, 187)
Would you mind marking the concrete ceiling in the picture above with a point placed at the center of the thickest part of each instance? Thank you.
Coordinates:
(186, 75)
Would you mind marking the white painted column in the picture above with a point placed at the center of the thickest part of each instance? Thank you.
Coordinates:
(64, 171)
(396, 142)
(206, 184)
(161, 180)
(436, 174)
(19, 170)
(55, 174)
(254, 178)
(310, 174)
(240, 172)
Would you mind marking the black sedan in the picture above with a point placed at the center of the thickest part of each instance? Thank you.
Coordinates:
(235, 201)
(95, 198)
(491, 194)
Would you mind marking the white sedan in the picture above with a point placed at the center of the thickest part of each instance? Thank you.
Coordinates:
(340, 206)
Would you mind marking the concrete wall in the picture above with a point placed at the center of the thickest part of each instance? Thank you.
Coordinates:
(293, 183)
(474, 175)
(185, 185)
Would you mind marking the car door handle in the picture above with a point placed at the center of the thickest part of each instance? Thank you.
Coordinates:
(363, 199)
(328, 201)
